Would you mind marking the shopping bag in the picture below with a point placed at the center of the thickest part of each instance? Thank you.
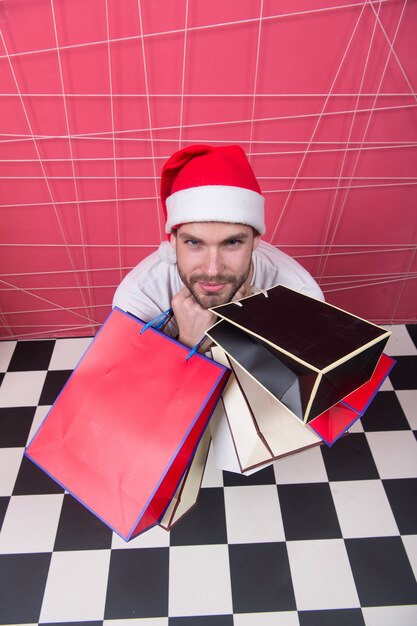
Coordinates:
(125, 427)
(250, 427)
(186, 496)
(332, 424)
(307, 353)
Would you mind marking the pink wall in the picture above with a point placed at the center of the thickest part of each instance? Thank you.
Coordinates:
(96, 94)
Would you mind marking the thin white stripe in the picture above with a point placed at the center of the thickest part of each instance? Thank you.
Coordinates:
(391, 44)
(148, 103)
(370, 284)
(284, 208)
(266, 154)
(329, 221)
(54, 304)
(74, 178)
(184, 58)
(113, 138)
(354, 5)
(40, 161)
(401, 94)
(222, 123)
(350, 186)
(255, 80)
(405, 178)
(156, 198)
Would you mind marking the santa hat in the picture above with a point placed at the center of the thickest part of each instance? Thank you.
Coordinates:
(211, 184)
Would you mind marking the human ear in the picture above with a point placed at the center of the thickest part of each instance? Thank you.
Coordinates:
(173, 239)
(256, 239)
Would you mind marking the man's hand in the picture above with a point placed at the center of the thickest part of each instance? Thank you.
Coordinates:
(192, 319)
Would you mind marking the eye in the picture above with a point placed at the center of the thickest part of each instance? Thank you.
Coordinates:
(192, 243)
(233, 243)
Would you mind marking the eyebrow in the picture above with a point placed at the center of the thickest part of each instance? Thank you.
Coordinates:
(239, 235)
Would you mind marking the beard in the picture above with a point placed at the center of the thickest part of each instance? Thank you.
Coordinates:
(232, 283)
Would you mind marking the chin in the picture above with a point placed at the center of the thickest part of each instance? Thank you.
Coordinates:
(208, 301)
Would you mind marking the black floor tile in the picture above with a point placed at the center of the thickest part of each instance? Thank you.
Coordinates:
(205, 523)
(412, 331)
(15, 423)
(261, 578)
(382, 571)
(4, 503)
(23, 578)
(31, 480)
(263, 477)
(95, 623)
(1, 377)
(350, 459)
(31, 355)
(402, 496)
(335, 617)
(79, 529)
(404, 374)
(138, 583)
(385, 413)
(202, 620)
(53, 385)
(308, 512)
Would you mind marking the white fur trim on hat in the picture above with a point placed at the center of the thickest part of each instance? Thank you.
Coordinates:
(216, 203)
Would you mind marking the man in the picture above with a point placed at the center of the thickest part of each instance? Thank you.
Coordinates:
(215, 217)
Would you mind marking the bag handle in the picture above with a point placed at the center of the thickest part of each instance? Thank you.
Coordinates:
(163, 318)
(263, 291)
(158, 321)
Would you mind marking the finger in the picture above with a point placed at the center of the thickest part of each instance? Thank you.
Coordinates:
(240, 293)
(183, 293)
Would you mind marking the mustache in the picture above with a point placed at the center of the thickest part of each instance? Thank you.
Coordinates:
(213, 280)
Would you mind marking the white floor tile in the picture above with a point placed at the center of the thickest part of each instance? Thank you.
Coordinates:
(321, 575)
(21, 388)
(144, 621)
(363, 509)
(410, 544)
(408, 400)
(31, 523)
(253, 514)
(284, 618)
(386, 385)
(199, 580)
(390, 615)
(10, 460)
(356, 427)
(303, 467)
(40, 414)
(67, 353)
(395, 453)
(156, 537)
(76, 586)
(400, 342)
(6, 353)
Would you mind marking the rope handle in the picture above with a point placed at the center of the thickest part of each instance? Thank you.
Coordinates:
(163, 318)
(262, 291)
(158, 321)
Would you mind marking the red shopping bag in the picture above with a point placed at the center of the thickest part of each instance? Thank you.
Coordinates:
(334, 422)
(125, 427)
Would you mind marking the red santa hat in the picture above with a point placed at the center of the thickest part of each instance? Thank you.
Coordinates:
(211, 184)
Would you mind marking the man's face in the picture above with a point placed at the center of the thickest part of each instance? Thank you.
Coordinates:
(214, 259)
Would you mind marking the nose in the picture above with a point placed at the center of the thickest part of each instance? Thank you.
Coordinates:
(212, 264)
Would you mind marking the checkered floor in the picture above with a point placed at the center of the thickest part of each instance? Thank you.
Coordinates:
(325, 537)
